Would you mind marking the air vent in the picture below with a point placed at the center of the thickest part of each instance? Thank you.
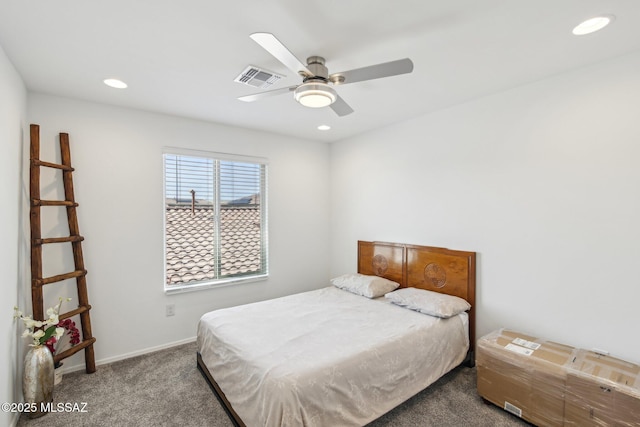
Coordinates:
(509, 407)
(257, 77)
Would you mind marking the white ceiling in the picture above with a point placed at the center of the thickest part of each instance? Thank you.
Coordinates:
(180, 57)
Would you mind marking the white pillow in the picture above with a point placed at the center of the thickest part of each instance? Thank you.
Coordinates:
(428, 302)
(367, 286)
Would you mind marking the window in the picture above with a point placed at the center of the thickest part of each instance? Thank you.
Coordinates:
(215, 228)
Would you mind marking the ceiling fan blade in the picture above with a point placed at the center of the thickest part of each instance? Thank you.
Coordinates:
(267, 94)
(387, 69)
(271, 44)
(340, 107)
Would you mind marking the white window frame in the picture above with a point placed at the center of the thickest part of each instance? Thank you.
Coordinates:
(208, 284)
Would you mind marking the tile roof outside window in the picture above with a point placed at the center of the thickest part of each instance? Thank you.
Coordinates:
(190, 238)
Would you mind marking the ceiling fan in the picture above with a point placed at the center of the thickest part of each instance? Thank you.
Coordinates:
(316, 89)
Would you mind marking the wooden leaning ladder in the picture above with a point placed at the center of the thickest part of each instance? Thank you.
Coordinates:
(37, 281)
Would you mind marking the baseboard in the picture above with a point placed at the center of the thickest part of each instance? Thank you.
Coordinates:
(129, 355)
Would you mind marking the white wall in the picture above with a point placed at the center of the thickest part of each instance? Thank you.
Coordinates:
(117, 154)
(542, 181)
(12, 122)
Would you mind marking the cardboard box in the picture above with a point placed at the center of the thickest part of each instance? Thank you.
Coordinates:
(602, 390)
(524, 375)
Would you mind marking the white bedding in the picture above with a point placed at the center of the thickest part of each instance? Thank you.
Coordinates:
(326, 357)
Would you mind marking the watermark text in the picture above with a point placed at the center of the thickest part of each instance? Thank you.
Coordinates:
(45, 407)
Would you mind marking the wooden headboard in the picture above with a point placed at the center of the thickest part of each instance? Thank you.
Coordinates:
(435, 269)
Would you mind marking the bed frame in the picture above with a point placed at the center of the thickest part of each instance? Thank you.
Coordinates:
(435, 269)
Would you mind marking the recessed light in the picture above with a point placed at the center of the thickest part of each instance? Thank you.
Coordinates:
(324, 127)
(118, 84)
(592, 25)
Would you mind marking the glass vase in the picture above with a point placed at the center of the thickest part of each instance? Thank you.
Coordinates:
(37, 381)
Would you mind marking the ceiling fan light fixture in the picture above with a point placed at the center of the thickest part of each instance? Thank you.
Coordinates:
(315, 95)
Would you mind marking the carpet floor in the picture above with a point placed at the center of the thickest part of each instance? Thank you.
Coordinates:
(165, 388)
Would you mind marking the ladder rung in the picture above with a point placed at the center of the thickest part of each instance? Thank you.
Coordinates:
(69, 239)
(72, 313)
(37, 162)
(73, 350)
(38, 202)
(60, 277)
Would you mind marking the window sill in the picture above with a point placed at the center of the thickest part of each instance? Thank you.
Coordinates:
(180, 289)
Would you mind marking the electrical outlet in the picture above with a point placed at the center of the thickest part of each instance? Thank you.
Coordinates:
(171, 309)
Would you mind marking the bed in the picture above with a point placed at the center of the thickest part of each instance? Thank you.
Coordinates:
(331, 357)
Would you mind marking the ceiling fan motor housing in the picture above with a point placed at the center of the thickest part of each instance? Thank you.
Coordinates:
(315, 64)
